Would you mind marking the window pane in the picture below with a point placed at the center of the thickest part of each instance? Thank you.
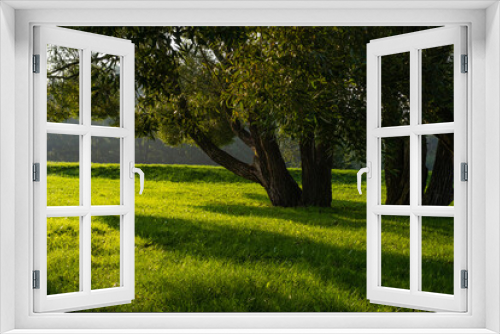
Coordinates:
(105, 89)
(105, 252)
(395, 251)
(437, 254)
(63, 84)
(63, 170)
(63, 255)
(437, 170)
(395, 171)
(395, 102)
(437, 84)
(105, 171)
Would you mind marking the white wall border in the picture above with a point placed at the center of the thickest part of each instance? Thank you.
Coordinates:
(7, 165)
(364, 321)
(492, 162)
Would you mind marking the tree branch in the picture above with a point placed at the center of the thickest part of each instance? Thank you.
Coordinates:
(238, 129)
(76, 62)
(235, 124)
(215, 153)
(223, 158)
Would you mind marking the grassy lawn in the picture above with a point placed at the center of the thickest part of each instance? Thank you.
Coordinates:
(208, 241)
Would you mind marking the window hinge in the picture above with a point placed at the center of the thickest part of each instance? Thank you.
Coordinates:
(465, 63)
(465, 279)
(36, 172)
(36, 63)
(36, 279)
(464, 171)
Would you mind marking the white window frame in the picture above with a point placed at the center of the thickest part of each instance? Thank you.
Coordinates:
(483, 21)
(413, 44)
(86, 43)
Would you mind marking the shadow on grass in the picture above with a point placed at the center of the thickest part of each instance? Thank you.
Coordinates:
(443, 226)
(339, 266)
(261, 198)
(69, 170)
(352, 213)
(334, 265)
(349, 214)
(437, 276)
(230, 295)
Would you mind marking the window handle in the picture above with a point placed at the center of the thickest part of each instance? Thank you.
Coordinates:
(368, 171)
(134, 170)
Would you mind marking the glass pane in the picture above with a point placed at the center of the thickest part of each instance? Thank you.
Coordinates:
(395, 101)
(105, 89)
(105, 252)
(63, 84)
(437, 254)
(63, 170)
(395, 251)
(105, 171)
(437, 84)
(437, 170)
(396, 171)
(63, 255)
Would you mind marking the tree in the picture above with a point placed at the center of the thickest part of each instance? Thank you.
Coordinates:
(193, 94)
(208, 85)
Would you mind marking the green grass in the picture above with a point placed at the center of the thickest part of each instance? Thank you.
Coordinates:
(208, 241)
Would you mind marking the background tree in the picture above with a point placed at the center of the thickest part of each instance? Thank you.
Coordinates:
(437, 107)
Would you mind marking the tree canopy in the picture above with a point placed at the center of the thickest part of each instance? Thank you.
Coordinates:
(264, 85)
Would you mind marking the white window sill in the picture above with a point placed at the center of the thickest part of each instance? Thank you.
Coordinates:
(250, 331)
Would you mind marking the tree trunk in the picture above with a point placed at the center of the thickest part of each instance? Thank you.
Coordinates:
(317, 162)
(280, 186)
(397, 171)
(440, 189)
(425, 170)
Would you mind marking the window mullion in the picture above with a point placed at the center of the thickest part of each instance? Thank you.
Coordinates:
(82, 173)
(414, 171)
(85, 179)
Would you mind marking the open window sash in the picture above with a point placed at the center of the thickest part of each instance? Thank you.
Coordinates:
(85, 43)
(414, 43)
